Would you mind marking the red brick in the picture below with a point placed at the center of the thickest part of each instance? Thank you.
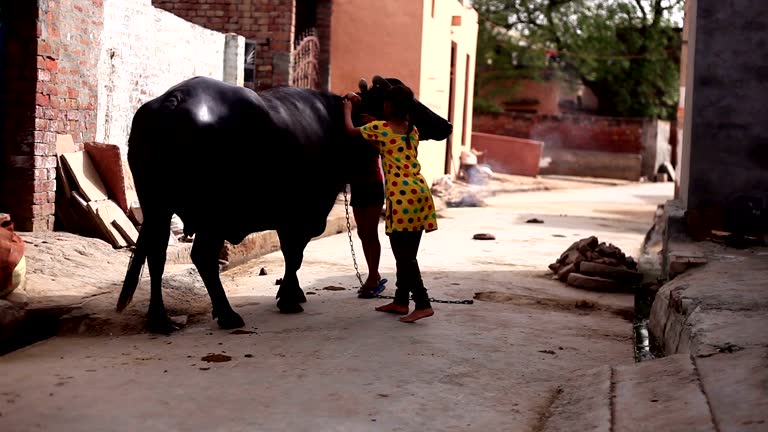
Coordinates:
(44, 49)
(41, 173)
(45, 185)
(42, 100)
(45, 161)
(51, 65)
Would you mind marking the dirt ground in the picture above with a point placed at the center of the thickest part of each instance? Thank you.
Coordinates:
(492, 365)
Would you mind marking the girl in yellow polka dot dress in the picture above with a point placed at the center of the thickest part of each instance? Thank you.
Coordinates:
(410, 208)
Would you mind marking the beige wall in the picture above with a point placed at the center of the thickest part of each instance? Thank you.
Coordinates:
(414, 46)
(452, 22)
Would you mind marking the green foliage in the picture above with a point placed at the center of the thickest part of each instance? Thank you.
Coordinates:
(482, 105)
(626, 51)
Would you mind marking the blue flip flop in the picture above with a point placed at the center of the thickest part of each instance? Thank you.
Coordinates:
(372, 292)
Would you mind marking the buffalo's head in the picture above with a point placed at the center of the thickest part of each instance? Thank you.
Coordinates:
(430, 125)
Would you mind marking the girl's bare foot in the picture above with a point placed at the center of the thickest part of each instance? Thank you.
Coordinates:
(393, 308)
(417, 315)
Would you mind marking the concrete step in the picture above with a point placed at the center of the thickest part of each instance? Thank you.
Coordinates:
(260, 243)
(657, 395)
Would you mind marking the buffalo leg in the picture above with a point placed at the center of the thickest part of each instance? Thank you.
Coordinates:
(155, 236)
(205, 256)
(289, 294)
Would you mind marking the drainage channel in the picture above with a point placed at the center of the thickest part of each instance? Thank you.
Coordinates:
(645, 346)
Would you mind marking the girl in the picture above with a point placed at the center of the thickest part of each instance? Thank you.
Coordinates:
(410, 210)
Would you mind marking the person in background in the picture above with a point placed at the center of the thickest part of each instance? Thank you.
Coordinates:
(367, 190)
(410, 209)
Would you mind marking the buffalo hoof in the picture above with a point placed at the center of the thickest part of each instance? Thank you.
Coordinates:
(230, 320)
(161, 324)
(289, 307)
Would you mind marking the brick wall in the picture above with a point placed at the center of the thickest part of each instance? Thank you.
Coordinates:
(64, 95)
(144, 51)
(586, 145)
(82, 67)
(605, 134)
(269, 22)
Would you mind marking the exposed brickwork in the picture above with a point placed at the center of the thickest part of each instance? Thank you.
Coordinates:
(81, 67)
(605, 134)
(64, 102)
(269, 22)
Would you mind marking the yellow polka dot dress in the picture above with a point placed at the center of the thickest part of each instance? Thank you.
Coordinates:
(409, 202)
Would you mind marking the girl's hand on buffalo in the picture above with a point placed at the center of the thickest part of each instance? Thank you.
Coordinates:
(353, 97)
(347, 106)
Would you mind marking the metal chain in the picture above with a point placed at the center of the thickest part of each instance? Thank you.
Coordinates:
(357, 270)
(349, 233)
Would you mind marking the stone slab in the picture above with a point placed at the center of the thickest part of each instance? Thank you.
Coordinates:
(660, 395)
(583, 404)
(737, 387)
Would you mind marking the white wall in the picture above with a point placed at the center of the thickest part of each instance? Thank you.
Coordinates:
(144, 51)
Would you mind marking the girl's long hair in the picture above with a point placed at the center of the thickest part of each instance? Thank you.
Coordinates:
(401, 103)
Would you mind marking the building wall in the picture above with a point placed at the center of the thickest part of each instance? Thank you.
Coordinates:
(448, 22)
(144, 51)
(414, 46)
(364, 43)
(20, 177)
(508, 155)
(725, 147)
(84, 66)
(578, 132)
(66, 55)
(269, 22)
(545, 93)
(582, 145)
(539, 96)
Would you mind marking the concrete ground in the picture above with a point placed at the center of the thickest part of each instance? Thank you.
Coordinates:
(498, 364)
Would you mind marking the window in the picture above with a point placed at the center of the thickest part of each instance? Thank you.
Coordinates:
(249, 67)
(466, 103)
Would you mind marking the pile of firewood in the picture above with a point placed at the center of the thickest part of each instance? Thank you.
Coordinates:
(596, 266)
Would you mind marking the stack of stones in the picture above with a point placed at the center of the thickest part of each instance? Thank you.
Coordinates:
(596, 266)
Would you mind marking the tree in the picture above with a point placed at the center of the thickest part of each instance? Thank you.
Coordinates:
(626, 51)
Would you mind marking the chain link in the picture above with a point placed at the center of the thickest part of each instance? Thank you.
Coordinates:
(349, 234)
(357, 270)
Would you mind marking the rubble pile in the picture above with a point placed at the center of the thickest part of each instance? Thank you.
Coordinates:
(596, 266)
(458, 193)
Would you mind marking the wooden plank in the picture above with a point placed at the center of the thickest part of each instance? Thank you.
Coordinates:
(104, 215)
(123, 225)
(88, 181)
(65, 144)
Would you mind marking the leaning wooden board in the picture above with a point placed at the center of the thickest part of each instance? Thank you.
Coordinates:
(87, 178)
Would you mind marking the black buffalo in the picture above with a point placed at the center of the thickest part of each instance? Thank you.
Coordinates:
(230, 162)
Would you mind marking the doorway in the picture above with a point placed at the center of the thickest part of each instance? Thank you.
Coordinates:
(18, 85)
(451, 101)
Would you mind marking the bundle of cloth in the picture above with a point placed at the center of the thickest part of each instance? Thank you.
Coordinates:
(13, 265)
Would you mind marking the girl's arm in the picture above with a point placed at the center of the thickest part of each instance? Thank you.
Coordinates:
(351, 129)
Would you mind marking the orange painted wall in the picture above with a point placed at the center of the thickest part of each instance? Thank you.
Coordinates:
(404, 39)
(375, 37)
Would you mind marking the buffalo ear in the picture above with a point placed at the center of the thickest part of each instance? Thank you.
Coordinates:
(378, 81)
(362, 85)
